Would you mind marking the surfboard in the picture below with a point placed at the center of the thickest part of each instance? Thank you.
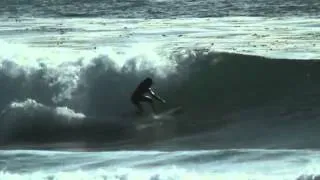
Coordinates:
(171, 112)
(158, 119)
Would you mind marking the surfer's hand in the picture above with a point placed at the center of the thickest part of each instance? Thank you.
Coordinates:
(163, 101)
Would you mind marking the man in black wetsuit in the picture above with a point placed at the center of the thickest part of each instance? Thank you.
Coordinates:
(138, 95)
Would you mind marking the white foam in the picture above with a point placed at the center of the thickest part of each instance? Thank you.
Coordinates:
(31, 104)
(135, 174)
(150, 165)
(290, 37)
(26, 104)
(66, 112)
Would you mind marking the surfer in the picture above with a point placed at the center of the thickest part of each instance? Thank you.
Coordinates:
(138, 95)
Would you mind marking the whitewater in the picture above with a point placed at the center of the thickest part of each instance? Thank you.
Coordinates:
(246, 74)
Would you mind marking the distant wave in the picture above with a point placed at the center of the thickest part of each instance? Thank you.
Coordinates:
(225, 95)
(159, 9)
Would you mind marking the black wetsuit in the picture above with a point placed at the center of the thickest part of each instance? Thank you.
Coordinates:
(138, 94)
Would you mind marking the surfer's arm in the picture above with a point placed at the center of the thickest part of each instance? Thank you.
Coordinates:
(156, 96)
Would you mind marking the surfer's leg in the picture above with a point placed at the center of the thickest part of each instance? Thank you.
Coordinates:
(140, 109)
(149, 100)
(136, 102)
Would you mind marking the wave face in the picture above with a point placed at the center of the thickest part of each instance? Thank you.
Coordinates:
(260, 101)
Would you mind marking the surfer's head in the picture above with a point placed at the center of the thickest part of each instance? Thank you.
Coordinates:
(148, 81)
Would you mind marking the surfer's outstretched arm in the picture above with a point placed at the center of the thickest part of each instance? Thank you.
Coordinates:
(156, 96)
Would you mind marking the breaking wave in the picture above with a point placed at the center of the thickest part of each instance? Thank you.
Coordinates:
(222, 94)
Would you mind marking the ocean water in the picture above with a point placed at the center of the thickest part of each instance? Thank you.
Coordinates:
(246, 74)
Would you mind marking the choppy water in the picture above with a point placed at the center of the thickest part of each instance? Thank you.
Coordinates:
(159, 9)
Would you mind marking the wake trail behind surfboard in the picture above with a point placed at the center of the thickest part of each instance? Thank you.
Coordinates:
(158, 119)
(168, 113)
